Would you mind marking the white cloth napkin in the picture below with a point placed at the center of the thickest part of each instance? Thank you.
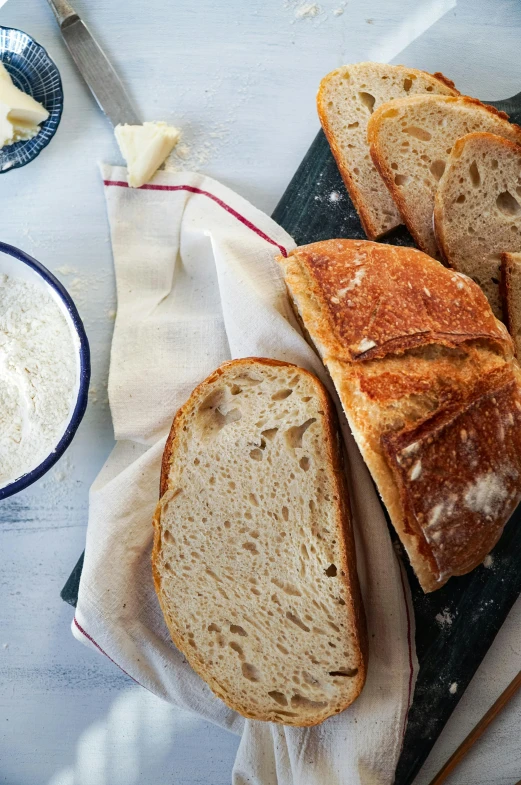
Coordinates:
(197, 284)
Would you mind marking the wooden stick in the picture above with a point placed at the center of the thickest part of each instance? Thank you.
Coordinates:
(478, 731)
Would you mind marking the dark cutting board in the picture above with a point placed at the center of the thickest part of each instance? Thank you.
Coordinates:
(455, 626)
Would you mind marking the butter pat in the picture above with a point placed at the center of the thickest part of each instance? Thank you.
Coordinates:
(20, 114)
(4, 74)
(144, 148)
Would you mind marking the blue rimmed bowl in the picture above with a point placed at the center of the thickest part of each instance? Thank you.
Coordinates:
(19, 265)
(33, 71)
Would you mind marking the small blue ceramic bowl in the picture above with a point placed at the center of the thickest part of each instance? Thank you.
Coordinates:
(17, 264)
(33, 71)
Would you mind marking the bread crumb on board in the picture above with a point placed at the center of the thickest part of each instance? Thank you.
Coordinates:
(445, 618)
(453, 688)
(488, 561)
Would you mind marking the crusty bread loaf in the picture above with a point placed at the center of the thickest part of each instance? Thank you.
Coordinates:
(410, 140)
(345, 101)
(428, 382)
(477, 210)
(253, 559)
(511, 296)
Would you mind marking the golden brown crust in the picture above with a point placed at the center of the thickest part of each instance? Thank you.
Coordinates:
(505, 284)
(446, 81)
(354, 609)
(378, 300)
(427, 394)
(365, 216)
(458, 474)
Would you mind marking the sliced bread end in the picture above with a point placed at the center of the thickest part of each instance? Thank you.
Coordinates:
(345, 101)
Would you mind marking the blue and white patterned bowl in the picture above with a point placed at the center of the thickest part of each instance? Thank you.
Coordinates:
(33, 71)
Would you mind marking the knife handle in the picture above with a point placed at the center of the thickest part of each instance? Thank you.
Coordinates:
(63, 11)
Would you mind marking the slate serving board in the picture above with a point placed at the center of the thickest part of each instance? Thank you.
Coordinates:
(455, 626)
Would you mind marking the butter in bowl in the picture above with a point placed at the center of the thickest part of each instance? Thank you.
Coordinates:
(31, 99)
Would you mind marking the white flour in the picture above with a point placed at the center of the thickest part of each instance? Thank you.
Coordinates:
(38, 377)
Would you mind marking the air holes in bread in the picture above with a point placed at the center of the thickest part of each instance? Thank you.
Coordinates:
(401, 179)
(278, 697)
(352, 125)
(236, 648)
(269, 434)
(418, 133)
(235, 389)
(250, 546)
(346, 672)
(256, 454)
(460, 199)
(300, 702)
(508, 204)
(475, 178)
(331, 571)
(281, 395)
(407, 84)
(295, 434)
(437, 168)
(367, 100)
(213, 628)
(168, 537)
(296, 621)
(250, 672)
(246, 380)
(235, 629)
(304, 463)
(288, 588)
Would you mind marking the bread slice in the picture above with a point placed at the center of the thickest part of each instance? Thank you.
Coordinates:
(345, 101)
(427, 379)
(410, 140)
(511, 296)
(253, 559)
(477, 210)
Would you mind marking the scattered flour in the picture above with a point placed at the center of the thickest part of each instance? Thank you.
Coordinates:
(444, 618)
(334, 196)
(338, 12)
(453, 688)
(307, 11)
(65, 269)
(38, 376)
(486, 494)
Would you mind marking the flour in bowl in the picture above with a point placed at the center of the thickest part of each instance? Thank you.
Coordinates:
(38, 376)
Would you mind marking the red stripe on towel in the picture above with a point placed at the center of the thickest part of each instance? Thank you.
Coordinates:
(191, 189)
(91, 639)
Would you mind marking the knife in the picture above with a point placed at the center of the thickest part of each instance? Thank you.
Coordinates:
(93, 64)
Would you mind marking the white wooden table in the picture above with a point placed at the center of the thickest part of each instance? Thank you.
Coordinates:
(240, 79)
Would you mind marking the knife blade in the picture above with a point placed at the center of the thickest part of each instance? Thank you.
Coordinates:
(93, 64)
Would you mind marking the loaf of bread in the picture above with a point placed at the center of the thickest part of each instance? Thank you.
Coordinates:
(429, 386)
(511, 296)
(253, 558)
(345, 101)
(410, 140)
(477, 210)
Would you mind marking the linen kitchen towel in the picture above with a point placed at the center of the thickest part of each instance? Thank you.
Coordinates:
(197, 284)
